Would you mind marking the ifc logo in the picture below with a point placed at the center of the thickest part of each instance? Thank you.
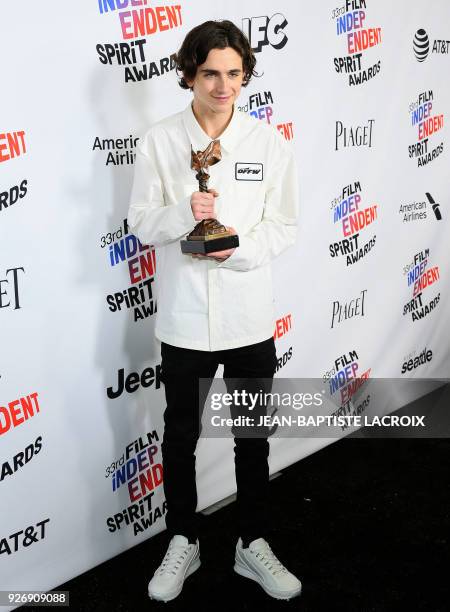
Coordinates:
(421, 45)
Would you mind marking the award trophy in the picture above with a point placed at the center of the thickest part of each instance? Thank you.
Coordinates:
(209, 235)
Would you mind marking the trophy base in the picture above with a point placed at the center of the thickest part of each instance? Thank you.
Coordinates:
(203, 247)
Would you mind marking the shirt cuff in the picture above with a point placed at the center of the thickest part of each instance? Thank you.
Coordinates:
(242, 257)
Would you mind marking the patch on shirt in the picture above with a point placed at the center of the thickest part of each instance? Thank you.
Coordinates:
(248, 172)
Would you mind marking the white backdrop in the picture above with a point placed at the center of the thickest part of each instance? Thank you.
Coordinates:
(59, 339)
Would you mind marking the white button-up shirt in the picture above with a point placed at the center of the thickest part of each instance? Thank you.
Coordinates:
(202, 303)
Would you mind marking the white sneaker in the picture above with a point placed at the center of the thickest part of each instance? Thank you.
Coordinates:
(259, 563)
(180, 561)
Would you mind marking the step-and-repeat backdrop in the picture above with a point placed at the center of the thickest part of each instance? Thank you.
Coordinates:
(359, 88)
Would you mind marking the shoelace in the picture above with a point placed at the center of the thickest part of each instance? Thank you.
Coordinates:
(269, 559)
(172, 561)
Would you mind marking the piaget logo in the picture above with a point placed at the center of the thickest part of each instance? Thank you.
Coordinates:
(348, 309)
(10, 288)
(350, 136)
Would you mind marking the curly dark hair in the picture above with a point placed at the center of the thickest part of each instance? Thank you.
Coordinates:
(213, 35)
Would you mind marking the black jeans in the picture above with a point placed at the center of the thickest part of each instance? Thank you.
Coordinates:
(180, 370)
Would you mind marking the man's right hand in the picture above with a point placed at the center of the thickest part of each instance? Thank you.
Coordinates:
(202, 204)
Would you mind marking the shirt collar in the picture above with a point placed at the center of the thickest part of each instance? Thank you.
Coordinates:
(200, 139)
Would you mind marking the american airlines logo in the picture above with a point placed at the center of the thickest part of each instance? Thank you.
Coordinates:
(248, 172)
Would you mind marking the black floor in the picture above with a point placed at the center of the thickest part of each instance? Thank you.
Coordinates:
(363, 523)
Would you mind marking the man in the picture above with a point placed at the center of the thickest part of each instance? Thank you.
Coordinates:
(215, 308)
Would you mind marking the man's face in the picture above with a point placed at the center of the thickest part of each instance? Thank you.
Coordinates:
(218, 81)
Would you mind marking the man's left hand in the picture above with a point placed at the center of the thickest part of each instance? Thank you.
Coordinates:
(218, 255)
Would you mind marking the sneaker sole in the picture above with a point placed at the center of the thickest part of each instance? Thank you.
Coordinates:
(169, 596)
(243, 571)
